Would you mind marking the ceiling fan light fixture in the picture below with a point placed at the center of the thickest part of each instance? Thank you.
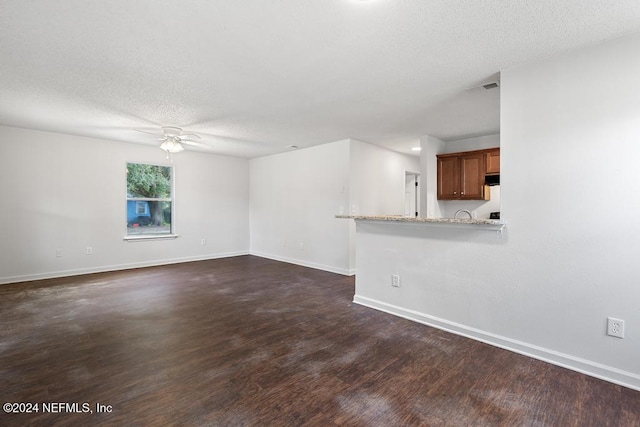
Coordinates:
(172, 145)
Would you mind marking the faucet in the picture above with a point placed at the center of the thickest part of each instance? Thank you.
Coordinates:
(462, 211)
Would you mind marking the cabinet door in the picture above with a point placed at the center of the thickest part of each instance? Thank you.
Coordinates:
(493, 162)
(472, 176)
(448, 177)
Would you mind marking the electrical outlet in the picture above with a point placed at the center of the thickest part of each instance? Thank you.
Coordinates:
(302, 246)
(395, 280)
(58, 252)
(615, 327)
(89, 250)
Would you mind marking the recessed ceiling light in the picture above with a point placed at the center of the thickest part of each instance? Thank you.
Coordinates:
(416, 149)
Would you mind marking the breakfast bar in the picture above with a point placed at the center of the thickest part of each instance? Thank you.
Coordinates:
(487, 224)
(436, 271)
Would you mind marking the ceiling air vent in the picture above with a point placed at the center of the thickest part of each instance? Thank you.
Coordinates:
(491, 85)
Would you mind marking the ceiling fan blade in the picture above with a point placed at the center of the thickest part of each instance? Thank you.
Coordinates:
(184, 135)
(196, 144)
(150, 133)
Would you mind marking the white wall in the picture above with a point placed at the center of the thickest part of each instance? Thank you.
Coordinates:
(377, 179)
(430, 147)
(68, 192)
(376, 183)
(471, 144)
(568, 257)
(294, 199)
(576, 121)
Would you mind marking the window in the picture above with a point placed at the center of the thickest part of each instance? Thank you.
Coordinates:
(149, 200)
(142, 208)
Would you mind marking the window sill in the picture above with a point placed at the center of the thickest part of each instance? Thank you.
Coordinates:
(150, 237)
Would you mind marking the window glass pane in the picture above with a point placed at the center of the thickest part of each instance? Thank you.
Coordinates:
(148, 181)
(148, 210)
(148, 223)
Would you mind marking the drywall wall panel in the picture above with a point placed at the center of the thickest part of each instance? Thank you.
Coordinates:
(63, 193)
(377, 179)
(295, 197)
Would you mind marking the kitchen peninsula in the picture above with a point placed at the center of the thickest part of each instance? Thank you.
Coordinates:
(427, 270)
(491, 224)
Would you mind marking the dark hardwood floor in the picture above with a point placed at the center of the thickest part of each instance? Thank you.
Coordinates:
(250, 341)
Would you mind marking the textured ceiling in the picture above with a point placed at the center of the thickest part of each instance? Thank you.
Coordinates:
(254, 76)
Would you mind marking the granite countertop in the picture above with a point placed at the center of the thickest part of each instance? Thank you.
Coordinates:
(404, 219)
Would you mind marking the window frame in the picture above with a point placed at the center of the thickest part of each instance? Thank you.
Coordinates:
(160, 236)
(139, 204)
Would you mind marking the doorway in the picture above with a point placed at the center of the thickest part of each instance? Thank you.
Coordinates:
(411, 194)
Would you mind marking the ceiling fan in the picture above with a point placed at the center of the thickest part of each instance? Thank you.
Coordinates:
(172, 139)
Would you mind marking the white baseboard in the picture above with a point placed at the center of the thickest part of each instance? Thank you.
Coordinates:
(587, 367)
(329, 268)
(115, 267)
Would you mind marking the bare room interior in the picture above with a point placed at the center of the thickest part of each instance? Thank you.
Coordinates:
(340, 212)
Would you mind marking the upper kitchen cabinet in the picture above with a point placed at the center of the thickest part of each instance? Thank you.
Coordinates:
(472, 177)
(492, 162)
(461, 176)
(448, 177)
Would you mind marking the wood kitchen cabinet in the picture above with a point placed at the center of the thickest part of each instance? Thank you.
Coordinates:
(492, 166)
(448, 177)
(461, 176)
(472, 177)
